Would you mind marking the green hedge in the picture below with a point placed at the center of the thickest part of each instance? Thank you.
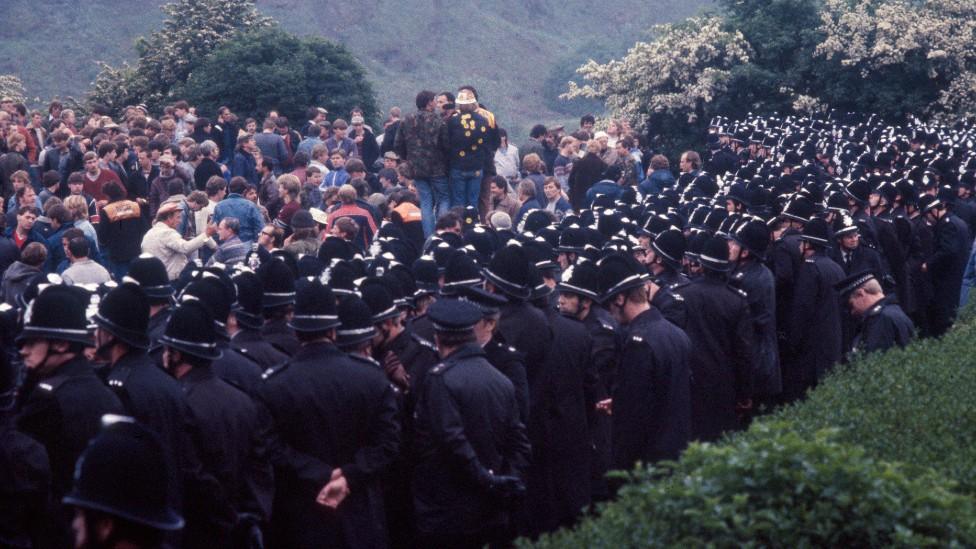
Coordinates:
(866, 460)
(779, 489)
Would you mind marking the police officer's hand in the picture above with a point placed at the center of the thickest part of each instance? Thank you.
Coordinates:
(333, 493)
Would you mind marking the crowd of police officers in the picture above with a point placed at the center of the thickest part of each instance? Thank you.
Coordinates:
(478, 389)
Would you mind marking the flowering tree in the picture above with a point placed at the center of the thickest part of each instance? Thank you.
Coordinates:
(12, 87)
(678, 73)
(193, 29)
(928, 41)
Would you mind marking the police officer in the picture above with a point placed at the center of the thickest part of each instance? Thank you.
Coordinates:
(231, 365)
(883, 323)
(663, 259)
(651, 403)
(521, 325)
(230, 442)
(815, 317)
(151, 275)
(62, 400)
(723, 364)
(24, 471)
(335, 432)
(505, 358)
(279, 300)
(578, 298)
(246, 320)
(406, 357)
(148, 394)
(472, 450)
(946, 264)
(747, 251)
(121, 491)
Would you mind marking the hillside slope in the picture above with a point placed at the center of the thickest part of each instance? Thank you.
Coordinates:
(515, 52)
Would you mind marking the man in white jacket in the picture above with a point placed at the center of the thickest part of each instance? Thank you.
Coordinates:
(165, 242)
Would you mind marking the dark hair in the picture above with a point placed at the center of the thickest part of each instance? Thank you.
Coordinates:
(25, 209)
(311, 113)
(50, 178)
(34, 254)
(175, 186)
(500, 181)
(201, 123)
(182, 105)
(355, 165)
(537, 131)
(237, 185)
(59, 213)
(300, 159)
(267, 163)
(587, 119)
(502, 132)
(78, 246)
(104, 148)
(215, 184)
(114, 191)
(454, 339)
(424, 98)
(447, 221)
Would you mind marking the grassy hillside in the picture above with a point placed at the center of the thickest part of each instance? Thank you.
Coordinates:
(517, 53)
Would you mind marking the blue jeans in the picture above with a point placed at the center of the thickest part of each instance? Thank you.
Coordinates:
(465, 187)
(433, 192)
(117, 269)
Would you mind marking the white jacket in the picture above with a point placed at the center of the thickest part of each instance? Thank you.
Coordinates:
(167, 244)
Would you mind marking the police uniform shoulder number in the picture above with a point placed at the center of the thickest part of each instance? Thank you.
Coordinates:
(424, 342)
(274, 370)
(440, 368)
(52, 384)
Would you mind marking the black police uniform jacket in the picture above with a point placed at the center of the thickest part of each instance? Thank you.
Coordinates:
(652, 399)
(466, 416)
(815, 324)
(236, 368)
(526, 328)
(946, 266)
(885, 325)
(604, 353)
(63, 411)
(231, 445)
(254, 346)
(155, 400)
(560, 397)
(330, 412)
(25, 476)
(785, 260)
(757, 281)
(507, 360)
(277, 333)
(723, 363)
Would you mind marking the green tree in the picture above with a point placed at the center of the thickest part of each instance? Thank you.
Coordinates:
(669, 86)
(193, 29)
(273, 69)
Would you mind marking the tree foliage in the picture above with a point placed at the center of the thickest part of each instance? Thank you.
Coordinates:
(192, 30)
(273, 69)
(894, 58)
(12, 87)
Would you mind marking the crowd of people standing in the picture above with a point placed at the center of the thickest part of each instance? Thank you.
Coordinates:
(424, 335)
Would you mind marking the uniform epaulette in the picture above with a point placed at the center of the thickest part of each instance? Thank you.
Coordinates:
(810, 261)
(51, 384)
(606, 326)
(678, 297)
(274, 370)
(424, 342)
(512, 349)
(875, 310)
(367, 360)
(440, 368)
